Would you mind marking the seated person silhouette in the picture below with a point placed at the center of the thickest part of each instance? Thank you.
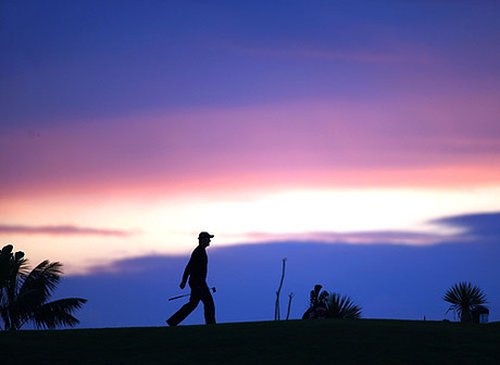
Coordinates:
(318, 304)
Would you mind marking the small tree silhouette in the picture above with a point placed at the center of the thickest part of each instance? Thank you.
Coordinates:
(464, 298)
(24, 294)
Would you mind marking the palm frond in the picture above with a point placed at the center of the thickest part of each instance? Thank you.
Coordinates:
(342, 307)
(41, 282)
(57, 313)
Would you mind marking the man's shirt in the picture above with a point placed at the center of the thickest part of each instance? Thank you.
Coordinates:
(196, 268)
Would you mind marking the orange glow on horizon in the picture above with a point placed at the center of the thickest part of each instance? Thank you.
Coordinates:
(168, 224)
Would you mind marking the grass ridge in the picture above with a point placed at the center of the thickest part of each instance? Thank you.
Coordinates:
(366, 341)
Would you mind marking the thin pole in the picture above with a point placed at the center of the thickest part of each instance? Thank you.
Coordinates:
(290, 296)
(277, 304)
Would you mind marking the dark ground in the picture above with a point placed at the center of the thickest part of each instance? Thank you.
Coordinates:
(286, 342)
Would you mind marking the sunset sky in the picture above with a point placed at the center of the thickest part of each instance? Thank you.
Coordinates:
(129, 126)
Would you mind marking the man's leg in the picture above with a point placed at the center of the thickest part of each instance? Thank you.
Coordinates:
(186, 309)
(208, 305)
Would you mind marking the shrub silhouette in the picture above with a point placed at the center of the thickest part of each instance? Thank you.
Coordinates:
(24, 294)
(325, 305)
(464, 299)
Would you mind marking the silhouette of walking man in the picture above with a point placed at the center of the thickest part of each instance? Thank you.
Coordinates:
(196, 270)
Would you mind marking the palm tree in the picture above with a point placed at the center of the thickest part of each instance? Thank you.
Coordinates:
(342, 307)
(464, 298)
(24, 294)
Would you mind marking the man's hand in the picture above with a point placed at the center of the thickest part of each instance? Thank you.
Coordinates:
(183, 285)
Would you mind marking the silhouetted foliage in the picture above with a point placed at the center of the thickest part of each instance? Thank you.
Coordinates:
(325, 305)
(24, 294)
(464, 299)
(342, 307)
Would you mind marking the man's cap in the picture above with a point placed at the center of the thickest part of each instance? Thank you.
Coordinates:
(205, 234)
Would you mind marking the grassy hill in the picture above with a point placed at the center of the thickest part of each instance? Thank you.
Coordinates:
(287, 342)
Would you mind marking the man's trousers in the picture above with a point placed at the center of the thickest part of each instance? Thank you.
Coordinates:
(199, 292)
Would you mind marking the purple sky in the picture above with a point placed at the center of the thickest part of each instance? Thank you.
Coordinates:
(127, 127)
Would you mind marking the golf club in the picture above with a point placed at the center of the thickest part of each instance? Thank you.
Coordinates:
(187, 295)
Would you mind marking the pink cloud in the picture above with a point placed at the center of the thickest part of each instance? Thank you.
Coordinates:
(363, 237)
(62, 231)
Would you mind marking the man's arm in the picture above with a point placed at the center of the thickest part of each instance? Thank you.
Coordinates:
(185, 276)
